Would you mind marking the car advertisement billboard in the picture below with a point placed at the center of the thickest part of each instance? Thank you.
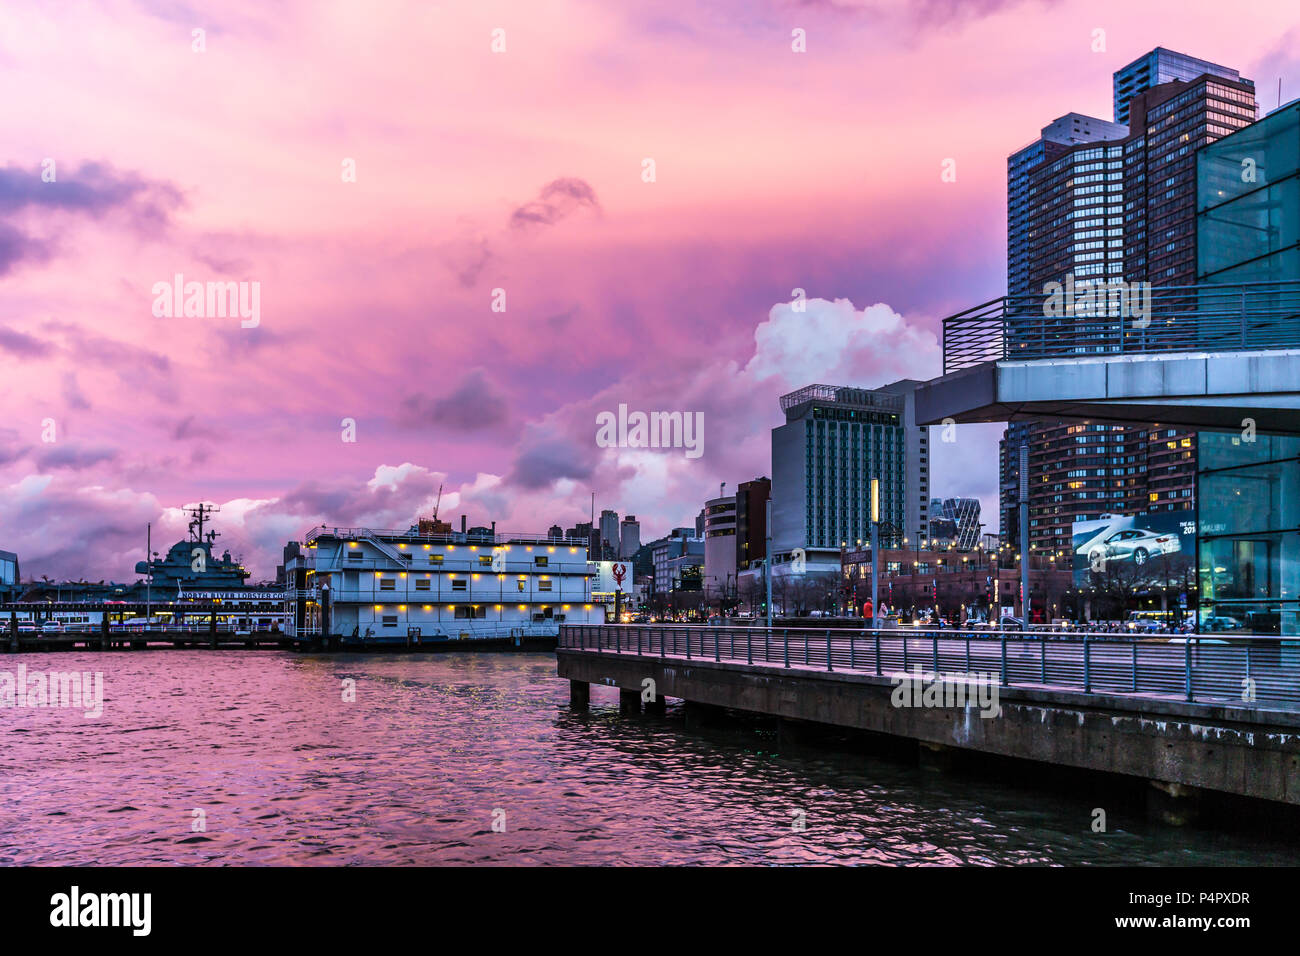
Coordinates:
(1152, 550)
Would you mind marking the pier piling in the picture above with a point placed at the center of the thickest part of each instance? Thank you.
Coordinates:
(579, 695)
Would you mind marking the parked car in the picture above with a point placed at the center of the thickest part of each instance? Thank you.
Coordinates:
(52, 627)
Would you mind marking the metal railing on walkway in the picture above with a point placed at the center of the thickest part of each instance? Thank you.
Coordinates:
(1199, 668)
(1121, 320)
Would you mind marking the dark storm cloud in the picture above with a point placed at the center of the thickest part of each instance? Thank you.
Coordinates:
(190, 427)
(346, 503)
(475, 403)
(92, 190)
(85, 347)
(74, 457)
(546, 456)
(558, 199)
(20, 344)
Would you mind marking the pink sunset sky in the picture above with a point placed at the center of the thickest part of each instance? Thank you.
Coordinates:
(518, 170)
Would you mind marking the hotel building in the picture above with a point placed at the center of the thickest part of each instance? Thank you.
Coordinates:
(834, 441)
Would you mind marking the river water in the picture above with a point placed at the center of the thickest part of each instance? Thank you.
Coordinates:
(254, 757)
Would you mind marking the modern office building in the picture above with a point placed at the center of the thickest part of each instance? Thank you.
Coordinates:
(629, 537)
(1248, 485)
(720, 546)
(955, 523)
(751, 521)
(369, 586)
(834, 441)
(1157, 67)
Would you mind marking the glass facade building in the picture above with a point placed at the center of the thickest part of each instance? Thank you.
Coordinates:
(1248, 202)
(1248, 547)
(1248, 485)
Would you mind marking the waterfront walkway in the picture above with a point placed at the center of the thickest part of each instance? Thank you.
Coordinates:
(1187, 713)
(1197, 668)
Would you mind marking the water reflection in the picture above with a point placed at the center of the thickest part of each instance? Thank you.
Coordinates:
(434, 749)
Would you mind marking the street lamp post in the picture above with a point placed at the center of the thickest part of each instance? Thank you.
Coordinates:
(1024, 534)
(875, 548)
(767, 564)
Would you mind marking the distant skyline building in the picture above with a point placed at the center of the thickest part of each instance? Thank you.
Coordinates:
(751, 521)
(955, 522)
(673, 556)
(629, 537)
(720, 546)
(609, 537)
(1170, 123)
(834, 441)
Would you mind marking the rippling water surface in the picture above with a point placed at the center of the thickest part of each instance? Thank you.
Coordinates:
(286, 772)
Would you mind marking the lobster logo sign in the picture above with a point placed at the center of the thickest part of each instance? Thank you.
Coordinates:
(619, 571)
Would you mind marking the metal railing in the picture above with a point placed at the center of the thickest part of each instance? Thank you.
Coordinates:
(451, 537)
(1198, 668)
(1120, 321)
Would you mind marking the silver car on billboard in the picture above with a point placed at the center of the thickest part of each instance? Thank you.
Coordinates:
(1136, 544)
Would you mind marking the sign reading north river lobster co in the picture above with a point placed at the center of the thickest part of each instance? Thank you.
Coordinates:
(182, 594)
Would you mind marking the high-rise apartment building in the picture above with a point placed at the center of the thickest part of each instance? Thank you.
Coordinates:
(1157, 67)
(1115, 205)
(834, 441)
(1170, 123)
(1026, 192)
